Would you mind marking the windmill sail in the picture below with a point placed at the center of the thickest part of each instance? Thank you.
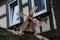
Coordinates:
(21, 14)
(24, 25)
(33, 10)
(37, 22)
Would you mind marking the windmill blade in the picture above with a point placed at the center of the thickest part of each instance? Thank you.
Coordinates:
(13, 31)
(33, 19)
(21, 14)
(40, 37)
(33, 10)
(24, 25)
(37, 22)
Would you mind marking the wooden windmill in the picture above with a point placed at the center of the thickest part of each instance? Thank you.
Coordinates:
(28, 25)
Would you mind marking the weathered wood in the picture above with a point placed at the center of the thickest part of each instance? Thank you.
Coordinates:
(28, 26)
(24, 25)
(33, 10)
(15, 32)
(41, 37)
(37, 22)
(21, 14)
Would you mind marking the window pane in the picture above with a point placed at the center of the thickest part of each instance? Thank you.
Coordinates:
(15, 10)
(40, 4)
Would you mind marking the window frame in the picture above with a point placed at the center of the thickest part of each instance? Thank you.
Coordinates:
(10, 14)
(40, 12)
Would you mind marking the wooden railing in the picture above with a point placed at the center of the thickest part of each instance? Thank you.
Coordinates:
(20, 33)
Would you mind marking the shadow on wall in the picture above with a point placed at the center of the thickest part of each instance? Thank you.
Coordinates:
(2, 2)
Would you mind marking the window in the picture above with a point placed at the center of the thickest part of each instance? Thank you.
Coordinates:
(13, 9)
(41, 6)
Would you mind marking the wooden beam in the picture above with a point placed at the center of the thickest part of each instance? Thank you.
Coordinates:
(41, 37)
(2, 16)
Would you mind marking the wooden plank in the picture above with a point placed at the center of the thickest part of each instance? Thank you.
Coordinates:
(33, 10)
(41, 37)
(21, 14)
(15, 32)
(37, 22)
(24, 25)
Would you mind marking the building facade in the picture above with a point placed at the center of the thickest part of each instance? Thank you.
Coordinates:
(47, 13)
(3, 17)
